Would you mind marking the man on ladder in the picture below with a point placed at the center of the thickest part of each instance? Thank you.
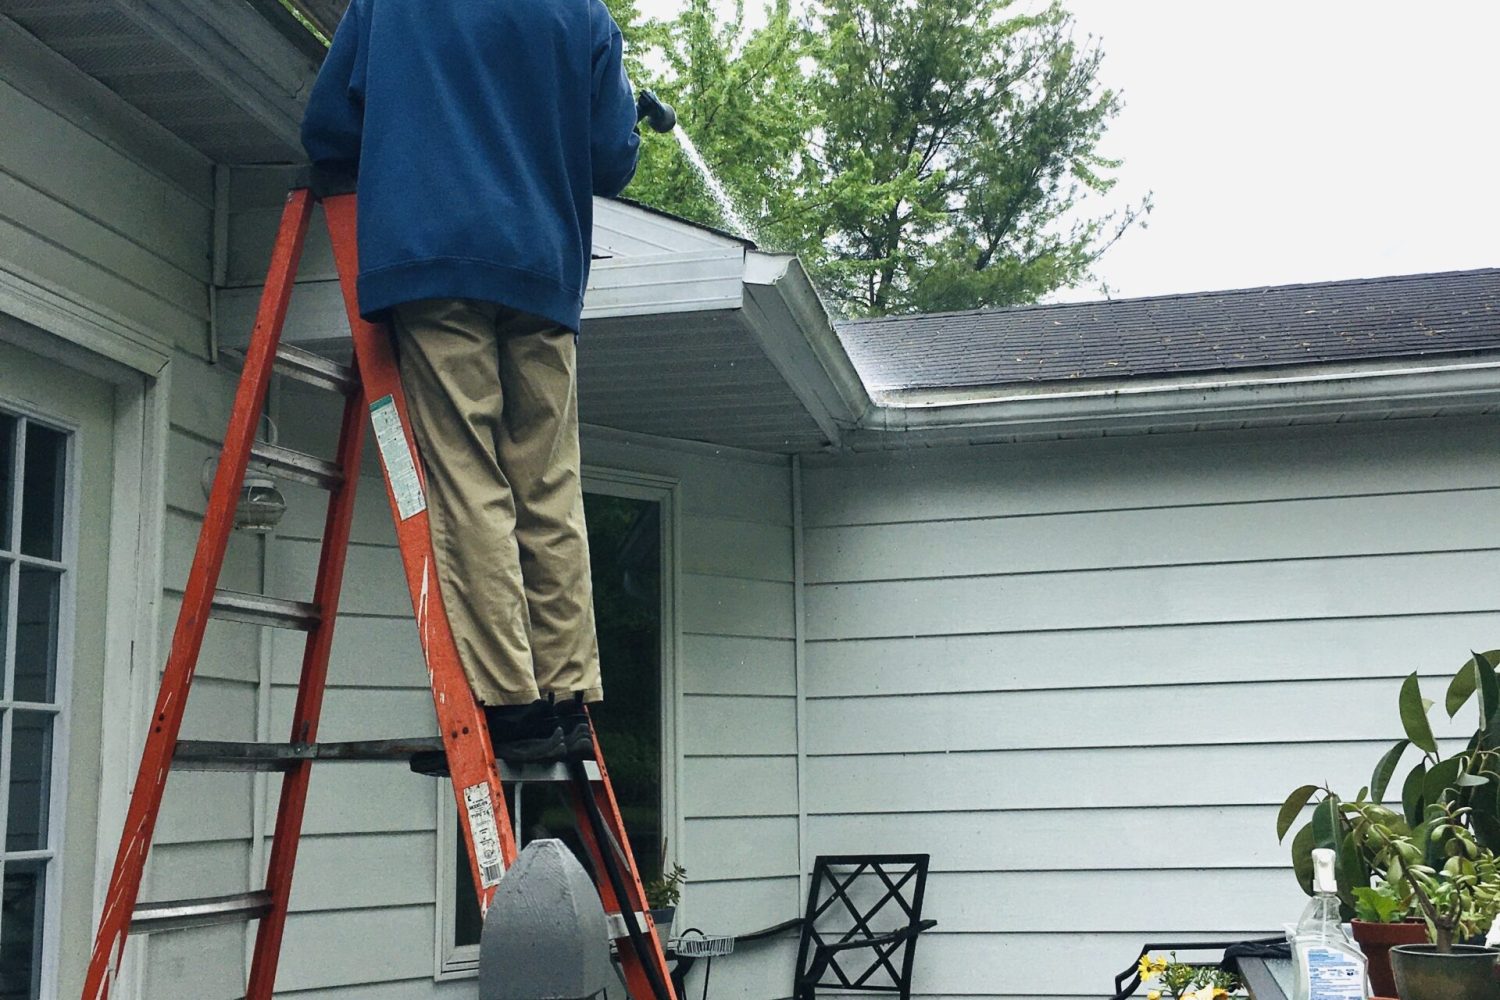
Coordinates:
(480, 132)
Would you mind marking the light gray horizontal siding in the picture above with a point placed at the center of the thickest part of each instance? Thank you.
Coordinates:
(108, 210)
(1262, 651)
(1082, 675)
(1128, 473)
(737, 737)
(98, 202)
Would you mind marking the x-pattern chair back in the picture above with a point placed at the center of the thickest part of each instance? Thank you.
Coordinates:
(850, 894)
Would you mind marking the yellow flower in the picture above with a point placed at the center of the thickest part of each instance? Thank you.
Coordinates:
(1146, 967)
(1153, 995)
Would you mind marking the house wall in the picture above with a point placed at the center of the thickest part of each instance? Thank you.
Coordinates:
(105, 212)
(1083, 675)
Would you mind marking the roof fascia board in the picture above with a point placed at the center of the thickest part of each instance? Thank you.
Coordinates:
(793, 327)
(709, 281)
(1083, 389)
(624, 229)
(697, 281)
(232, 44)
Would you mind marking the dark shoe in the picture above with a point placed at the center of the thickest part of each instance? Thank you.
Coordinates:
(525, 734)
(578, 736)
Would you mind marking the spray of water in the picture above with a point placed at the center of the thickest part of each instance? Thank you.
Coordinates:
(716, 190)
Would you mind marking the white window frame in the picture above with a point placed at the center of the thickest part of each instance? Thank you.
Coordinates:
(453, 961)
(57, 796)
(58, 325)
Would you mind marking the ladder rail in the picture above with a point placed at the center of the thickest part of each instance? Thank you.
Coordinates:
(602, 830)
(310, 690)
(197, 601)
(488, 836)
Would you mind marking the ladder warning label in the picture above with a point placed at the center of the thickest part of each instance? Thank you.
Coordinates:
(485, 835)
(395, 454)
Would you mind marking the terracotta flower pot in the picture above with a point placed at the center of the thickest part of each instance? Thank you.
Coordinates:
(1376, 940)
(1467, 974)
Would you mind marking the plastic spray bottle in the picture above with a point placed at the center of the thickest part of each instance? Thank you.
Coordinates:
(1325, 963)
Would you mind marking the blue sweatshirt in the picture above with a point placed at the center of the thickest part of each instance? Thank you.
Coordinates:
(481, 130)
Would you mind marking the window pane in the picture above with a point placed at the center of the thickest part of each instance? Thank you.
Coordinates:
(42, 492)
(7, 475)
(21, 930)
(625, 555)
(30, 782)
(467, 923)
(37, 610)
(4, 603)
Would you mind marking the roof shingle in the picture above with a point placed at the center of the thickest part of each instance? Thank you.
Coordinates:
(1326, 323)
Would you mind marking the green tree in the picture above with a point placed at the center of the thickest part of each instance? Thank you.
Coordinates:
(917, 156)
(744, 98)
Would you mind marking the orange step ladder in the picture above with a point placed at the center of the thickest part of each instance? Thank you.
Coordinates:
(372, 387)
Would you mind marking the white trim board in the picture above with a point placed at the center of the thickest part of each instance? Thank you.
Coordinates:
(66, 332)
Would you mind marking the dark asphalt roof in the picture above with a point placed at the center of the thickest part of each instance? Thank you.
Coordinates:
(1407, 316)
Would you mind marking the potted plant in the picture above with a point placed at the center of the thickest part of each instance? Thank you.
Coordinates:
(663, 893)
(1455, 883)
(1385, 915)
(1174, 980)
(1467, 781)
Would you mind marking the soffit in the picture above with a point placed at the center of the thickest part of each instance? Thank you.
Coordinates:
(168, 78)
(693, 376)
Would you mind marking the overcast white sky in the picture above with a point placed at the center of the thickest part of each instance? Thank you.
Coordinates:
(1296, 141)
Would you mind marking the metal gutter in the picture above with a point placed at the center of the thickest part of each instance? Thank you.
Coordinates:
(1378, 391)
(792, 326)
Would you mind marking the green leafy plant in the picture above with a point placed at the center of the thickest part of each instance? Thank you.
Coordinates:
(1440, 793)
(916, 156)
(666, 889)
(1382, 903)
(1454, 881)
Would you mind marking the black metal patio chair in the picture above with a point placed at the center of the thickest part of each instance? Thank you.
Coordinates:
(864, 914)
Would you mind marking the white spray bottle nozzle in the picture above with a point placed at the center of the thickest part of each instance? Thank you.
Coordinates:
(1324, 879)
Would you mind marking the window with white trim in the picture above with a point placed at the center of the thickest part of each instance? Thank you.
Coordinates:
(34, 579)
(632, 611)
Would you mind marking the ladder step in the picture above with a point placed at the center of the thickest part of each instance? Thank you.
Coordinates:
(217, 755)
(295, 465)
(617, 928)
(306, 367)
(314, 369)
(256, 609)
(537, 774)
(171, 915)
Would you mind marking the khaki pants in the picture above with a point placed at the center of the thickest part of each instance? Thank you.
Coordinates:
(494, 407)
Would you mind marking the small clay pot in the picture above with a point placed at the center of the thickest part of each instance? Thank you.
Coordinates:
(1376, 940)
(1468, 973)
